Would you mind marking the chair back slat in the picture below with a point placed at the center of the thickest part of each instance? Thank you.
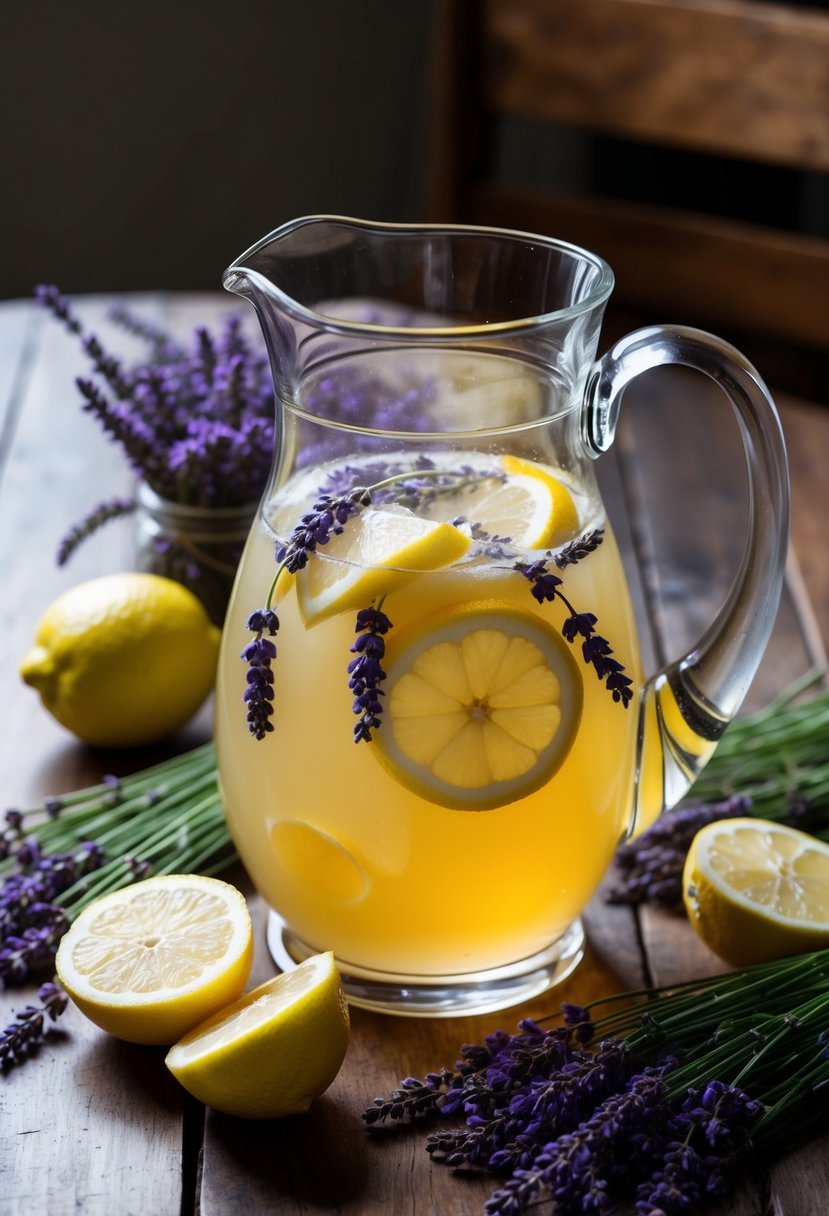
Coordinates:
(732, 77)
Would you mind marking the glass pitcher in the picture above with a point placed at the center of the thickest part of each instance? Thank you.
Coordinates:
(432, 724)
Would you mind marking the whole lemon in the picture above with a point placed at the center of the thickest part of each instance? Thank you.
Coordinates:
(123, 660)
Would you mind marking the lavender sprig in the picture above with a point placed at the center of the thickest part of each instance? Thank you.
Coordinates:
(59, 856)
(327, 517)
(259, 655)
(113, 508)
(596, 650)
(366, 671)
(31, 1025)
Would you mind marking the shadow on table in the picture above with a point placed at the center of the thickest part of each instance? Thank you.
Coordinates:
(315, 1157)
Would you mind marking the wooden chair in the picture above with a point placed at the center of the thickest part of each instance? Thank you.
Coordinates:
(739, 79)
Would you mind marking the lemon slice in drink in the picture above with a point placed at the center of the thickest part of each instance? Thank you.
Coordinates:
(150, 961)
(530, 507)
(757, 891)
(482, 706)
(273, 1051)
(378, 550)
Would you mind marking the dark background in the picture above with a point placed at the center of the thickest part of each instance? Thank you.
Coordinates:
(146, 146)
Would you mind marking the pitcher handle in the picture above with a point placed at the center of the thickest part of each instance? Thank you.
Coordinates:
(686, 706)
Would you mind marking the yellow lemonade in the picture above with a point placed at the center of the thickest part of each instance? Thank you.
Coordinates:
(394, 851)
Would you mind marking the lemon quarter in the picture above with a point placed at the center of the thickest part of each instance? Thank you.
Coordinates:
(378, 551)
(149, 962)
(123, 660)
(757, 891)
(482, 706)
(273, 1051)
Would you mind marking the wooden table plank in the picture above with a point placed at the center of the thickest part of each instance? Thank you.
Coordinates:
(91, 1124)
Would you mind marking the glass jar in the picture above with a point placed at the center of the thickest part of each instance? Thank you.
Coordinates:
(199, 547)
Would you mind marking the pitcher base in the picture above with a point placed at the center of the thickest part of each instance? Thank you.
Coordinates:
(441, 996)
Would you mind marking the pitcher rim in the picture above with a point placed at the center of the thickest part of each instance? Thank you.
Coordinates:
(597, 296)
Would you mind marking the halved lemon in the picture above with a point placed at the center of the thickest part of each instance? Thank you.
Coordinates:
(273, 1051)
(482, 706)
(378, 551)
(149, 962)
(530, 507)
(757, 891)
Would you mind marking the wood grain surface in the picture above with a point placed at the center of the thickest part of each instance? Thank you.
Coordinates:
(736, 77)
(94, 1126)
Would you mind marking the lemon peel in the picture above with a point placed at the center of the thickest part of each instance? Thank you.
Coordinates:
(273, 1051)
(757, 891)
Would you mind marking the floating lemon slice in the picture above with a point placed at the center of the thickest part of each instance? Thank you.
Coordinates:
(530, 507)
(378, 550)
(757, 891)
(482, 706)
(274, 1050)
(150, 961)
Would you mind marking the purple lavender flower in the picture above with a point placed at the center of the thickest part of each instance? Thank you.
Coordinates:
(651, 866)
(31, 924)
(259, 655)
(326, 518)
(366, 671)
(584, 1169)
(113, 508)
(708, 1134)
(596, 650)
(31, 1025)
(195, 424)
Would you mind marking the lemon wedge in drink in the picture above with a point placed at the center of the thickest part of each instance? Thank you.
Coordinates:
(149, 962)
(529, 506)
(757, 891)
(378, 551)
(273, 1051)
(482, 706)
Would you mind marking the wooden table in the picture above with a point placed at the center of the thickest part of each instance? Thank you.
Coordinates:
(92, 1125)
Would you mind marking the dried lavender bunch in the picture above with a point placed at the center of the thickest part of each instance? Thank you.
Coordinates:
(57, 857)
(195, 422)
(658, 1103)
(31, 1026)
(771, 764)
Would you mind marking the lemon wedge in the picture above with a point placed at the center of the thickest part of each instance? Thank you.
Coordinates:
(378, 551)
(149, 962)
(757, 891)
(530, 507)
(482, 706)
(273, 1051)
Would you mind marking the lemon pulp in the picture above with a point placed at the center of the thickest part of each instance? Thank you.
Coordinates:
(483, 705)
(148, 962)
(755, 891)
